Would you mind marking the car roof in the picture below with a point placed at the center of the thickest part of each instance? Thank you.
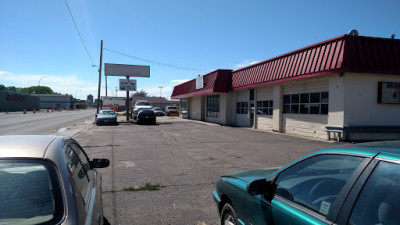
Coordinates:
(26, 146)
(369, 148)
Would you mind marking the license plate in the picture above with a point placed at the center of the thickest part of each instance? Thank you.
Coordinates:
(146, 117)
(105, 121)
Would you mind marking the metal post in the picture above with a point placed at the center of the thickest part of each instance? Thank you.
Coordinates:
(101, 62)
(127, 103)
(106, 83)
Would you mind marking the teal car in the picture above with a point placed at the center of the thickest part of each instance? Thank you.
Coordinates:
(106, 116)
(354, 185)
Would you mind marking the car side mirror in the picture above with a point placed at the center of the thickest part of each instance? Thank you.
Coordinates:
(258, 187)
(99, 163)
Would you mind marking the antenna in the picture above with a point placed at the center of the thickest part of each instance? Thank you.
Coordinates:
(353, 32)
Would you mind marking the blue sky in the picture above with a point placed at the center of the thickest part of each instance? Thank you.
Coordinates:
(180, 38)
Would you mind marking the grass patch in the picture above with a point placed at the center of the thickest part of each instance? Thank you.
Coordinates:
(146, 187)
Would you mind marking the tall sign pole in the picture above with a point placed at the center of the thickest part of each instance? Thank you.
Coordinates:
(101, 62)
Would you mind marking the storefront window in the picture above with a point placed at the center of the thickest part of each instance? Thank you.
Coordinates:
(213, 106)
(306, 103)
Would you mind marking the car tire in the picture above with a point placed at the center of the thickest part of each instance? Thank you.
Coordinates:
(228, 215)
(105, 221)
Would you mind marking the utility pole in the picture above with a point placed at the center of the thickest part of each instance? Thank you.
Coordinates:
(161, 87)
(101, 62)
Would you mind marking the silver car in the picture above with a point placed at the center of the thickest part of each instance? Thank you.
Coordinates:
(48, 180)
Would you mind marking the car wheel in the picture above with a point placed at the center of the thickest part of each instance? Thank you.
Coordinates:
(106, 222)
(229, 216)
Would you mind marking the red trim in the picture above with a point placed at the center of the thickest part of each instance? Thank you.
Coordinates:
(290, 79)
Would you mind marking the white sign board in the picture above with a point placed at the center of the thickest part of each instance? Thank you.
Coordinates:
(199, 82)
(124, 70)
(127, 85)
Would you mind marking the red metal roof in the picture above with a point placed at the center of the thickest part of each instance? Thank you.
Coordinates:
(216, 81)
(341, 54)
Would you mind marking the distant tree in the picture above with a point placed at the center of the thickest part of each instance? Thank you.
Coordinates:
(2, 87)
(141, 93)
(37, 90)
(12, 88)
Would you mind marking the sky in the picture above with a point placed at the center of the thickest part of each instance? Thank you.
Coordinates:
(41, 43)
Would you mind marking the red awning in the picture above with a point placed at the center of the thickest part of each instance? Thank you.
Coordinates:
(341, 54)
(215, 82)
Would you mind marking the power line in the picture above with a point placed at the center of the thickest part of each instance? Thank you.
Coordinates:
(79, 33)
(155, 62)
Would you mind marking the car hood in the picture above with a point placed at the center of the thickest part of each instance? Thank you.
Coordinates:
(251, 175)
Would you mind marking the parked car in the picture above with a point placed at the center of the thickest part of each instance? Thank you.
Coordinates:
(158, 111)
(355, 185)
(170, 110)
(48, 180)
(138, 106)
(146, 116)
(106, 116)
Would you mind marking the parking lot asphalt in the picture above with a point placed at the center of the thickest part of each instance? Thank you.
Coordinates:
(185, 158)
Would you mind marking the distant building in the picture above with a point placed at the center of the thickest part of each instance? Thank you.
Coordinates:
(13, 101)
(54, 101)
(155, 101)
(89, 101)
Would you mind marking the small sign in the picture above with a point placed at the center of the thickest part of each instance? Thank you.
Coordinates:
(199, 82)
(127, 85)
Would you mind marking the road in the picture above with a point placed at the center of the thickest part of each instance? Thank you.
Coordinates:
(185, 158)
(43, 122)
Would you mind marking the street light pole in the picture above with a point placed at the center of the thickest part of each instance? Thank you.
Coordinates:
(75, 99)
(39, 84)
(161, 87)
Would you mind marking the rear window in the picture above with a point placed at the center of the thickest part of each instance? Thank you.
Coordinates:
(142, 103)
(29, 192)
(171, 107)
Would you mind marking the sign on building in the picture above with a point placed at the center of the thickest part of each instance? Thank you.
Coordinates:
(127, 85)
(199, 82)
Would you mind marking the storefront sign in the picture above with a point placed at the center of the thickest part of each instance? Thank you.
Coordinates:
(199, 82)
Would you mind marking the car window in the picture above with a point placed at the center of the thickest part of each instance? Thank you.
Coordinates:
(79, 176)
(142, 103)
(29, 192)
(378, 202)
(82, 156)
(316, 182)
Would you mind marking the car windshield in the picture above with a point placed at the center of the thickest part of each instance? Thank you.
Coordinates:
(108, 112)
(142, 103)
(156, 108)
(29, 192)
(171, 107)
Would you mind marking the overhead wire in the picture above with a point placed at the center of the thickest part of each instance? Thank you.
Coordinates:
(79, 33)
(154, 62)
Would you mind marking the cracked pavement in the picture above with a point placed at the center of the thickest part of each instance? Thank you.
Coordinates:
(186, 157)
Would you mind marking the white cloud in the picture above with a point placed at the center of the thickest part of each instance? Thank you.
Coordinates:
(179, 81)
(70, 84)
(245, 63)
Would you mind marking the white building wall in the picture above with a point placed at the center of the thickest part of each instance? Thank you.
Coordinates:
(195, 108)
(310, 125)
(336, 100)
(242, 120)
(361, 107)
